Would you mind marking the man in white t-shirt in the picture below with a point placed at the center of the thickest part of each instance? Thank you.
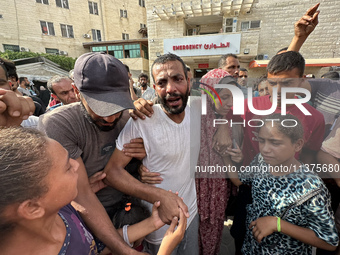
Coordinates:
(170, 150)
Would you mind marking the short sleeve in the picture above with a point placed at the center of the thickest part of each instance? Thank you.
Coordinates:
(58, 127)
(320, 217)
(130, 131)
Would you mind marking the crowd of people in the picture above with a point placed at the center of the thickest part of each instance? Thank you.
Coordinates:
(108, 165)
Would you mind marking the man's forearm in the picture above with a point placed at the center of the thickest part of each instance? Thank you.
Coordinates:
(121, 180)
(296, 43)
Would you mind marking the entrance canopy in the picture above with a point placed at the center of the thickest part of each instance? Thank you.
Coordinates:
(38, 69)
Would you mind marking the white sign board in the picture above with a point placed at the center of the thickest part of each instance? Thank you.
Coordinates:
(203, 45)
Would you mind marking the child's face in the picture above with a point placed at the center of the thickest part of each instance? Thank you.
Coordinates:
(61, 179)
(275, 147)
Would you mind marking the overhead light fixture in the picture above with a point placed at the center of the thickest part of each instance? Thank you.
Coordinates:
(158, 54)
(246, 51)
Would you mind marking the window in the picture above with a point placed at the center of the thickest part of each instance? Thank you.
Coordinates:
(123, 13)
(52, 51)
(93, 7)
(96, 36)
(11, 47)
(42, 1)
(250, 24)
(142, 3)
(125, 36)
(66, 31)
(99, 49)
(116, 51)
(47, 28)
(132, 51)
(62, 3)
(145, 52)
(142, 25)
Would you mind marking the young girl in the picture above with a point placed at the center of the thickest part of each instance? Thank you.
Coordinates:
(130, 211)
(38, 183)
(290, 211)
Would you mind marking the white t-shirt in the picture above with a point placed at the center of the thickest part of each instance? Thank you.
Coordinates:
(31, 122)
(170, 152)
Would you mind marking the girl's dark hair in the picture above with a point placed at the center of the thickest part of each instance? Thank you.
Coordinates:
(24, 164)
(129, 211)
(294, 133)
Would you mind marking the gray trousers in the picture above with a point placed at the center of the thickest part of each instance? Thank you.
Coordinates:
(188, 246)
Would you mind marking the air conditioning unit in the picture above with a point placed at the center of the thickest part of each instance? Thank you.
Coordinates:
(260, 57)
(63, 53)
(24, 49)
(86, 36)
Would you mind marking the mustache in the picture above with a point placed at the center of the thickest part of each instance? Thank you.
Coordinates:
(172, 95)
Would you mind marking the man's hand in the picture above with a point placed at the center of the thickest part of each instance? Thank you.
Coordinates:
(143, 108)
(170, 203)
(96, 181)
(263, 227)
(173, 237)
(135, 149)
(306, 25)
(149, 177)
(14, 109)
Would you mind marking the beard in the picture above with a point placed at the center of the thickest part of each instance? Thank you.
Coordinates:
(96, 122)
(175, 109)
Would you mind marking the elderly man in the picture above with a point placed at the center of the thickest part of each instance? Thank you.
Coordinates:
(62, 90)
(230, 63)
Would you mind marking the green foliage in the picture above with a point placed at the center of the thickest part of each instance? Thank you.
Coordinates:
(66, 63)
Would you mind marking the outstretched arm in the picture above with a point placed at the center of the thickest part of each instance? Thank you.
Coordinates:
(173, 237)
(304, 27)
(118, 178)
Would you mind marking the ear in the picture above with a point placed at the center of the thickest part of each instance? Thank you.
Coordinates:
(299, 145)
(76, 91)
(30, 210)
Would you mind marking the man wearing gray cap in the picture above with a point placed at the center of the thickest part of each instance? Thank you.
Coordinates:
(88, 130)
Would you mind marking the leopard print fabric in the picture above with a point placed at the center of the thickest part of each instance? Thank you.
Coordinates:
(272, 195)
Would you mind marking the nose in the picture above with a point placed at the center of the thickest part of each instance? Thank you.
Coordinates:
(265, 147)
(111, 118)
(170, 87)
(72, 94)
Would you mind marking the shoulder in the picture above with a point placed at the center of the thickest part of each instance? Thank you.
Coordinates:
(63, 116)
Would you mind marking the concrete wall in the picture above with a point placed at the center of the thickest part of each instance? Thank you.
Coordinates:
(277, 28)
(20, 24)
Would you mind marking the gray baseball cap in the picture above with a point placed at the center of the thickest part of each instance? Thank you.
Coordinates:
(103, 82)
